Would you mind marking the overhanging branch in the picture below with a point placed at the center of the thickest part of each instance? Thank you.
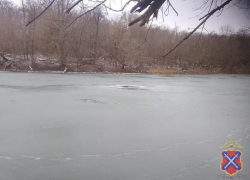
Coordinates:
(31, 21)
(207, 16)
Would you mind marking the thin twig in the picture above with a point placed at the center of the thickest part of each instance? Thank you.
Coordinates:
(125, 5)
(172, 7)
(85, 13)
(203, 27)
(40, 13)
(207, 16)
(68, 10)
(145, 39)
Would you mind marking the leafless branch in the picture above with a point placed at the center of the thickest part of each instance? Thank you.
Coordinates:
(86, 13)
(172, 7)
(40, 13)
(125, 5)
(207, 16)
(152, 7)
(68, 10)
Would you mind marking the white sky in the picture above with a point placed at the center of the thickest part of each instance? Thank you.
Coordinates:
(232, 16)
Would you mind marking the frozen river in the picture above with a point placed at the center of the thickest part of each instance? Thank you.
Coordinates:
(120, 127)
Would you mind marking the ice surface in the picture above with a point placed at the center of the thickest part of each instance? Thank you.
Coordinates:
(126, 127)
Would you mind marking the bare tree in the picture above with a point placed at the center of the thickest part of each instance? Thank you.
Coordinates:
(150, 8)
(95, 40)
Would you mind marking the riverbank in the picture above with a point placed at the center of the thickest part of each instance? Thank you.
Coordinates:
(45, 64)
(145, 71)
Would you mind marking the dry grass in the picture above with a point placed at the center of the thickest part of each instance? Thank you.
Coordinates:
(160, 70)
(205, 71)
(241, 70)
(164, 71)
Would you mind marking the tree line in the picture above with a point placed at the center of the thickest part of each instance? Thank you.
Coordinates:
(100, 42)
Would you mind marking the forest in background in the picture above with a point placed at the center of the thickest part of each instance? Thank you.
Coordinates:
(97, 42)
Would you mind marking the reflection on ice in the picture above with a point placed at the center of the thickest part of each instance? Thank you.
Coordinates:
(32, 157)
(205, 141)
(95, 156)
(129, 87)
(93, 101)
(5, 157)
